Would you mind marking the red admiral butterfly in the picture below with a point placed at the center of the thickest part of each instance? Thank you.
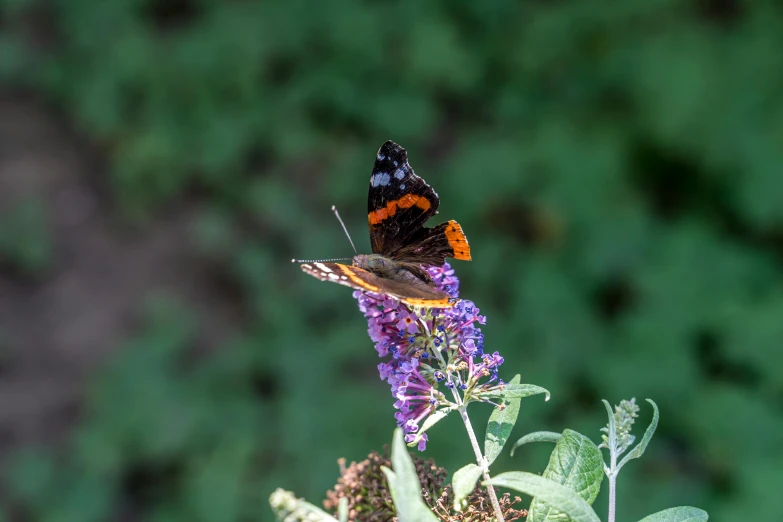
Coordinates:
(399, 204)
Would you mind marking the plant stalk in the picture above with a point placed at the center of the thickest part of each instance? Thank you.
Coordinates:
(481, 461)
(612, 493)
(612, 476)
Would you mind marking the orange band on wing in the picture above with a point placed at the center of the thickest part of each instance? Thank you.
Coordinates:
(346, 269)
(430, 303)
(407, 201)
(457, 241)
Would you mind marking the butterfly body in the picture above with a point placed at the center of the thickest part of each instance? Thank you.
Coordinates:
(387, 268)
(399, 204)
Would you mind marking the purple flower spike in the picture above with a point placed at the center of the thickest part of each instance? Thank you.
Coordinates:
(429, 348)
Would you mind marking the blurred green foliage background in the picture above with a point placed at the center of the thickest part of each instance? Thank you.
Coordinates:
(617, 168)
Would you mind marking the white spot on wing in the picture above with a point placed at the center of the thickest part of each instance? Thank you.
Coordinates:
(343, 277)
(323, 267)
(399, 173)
(380, 178)
(381, 157)
(402, 187)
(333, 276)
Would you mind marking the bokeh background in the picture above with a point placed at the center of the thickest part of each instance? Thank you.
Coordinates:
(618, 169)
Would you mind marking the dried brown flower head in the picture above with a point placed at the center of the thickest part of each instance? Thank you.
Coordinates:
(479, 508)
(367, 491)
(369, 500)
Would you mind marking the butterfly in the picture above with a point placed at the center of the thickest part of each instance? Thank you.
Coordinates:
(399, 204)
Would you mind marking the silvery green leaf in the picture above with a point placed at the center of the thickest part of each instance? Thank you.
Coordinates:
(611, 428)
(342, 509)
(500, 424)
(463, 483)
(404, 484)
(515, 391)
(576, 463)
(678, 514)
(428, 423)
(536, 436)
(554, 494)
(638, 450)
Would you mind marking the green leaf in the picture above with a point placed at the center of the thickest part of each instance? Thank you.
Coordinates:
(342, 509)
(463, 483)
(404, 484)
(433, 419)
(639, 448)
(515, 391)
(576, 463)
(678, 514)
(611, 428)
(429, 422)
(536, 436)
(554, 494)
(500, 424)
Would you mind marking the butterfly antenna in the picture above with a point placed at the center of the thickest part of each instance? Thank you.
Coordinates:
(334, 209)
(320, 260)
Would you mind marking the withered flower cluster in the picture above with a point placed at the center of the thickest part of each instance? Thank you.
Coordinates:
(369, 500)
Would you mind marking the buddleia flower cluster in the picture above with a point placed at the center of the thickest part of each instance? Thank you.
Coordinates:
(625, 415)
(436, 356)
(288, 508)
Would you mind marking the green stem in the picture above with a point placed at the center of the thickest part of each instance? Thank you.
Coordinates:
(480, 459)
(612, 475)
(612, 498)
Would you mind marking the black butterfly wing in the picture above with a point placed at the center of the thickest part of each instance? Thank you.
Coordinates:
(431, 246)
(399, 201)
(399, 204)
